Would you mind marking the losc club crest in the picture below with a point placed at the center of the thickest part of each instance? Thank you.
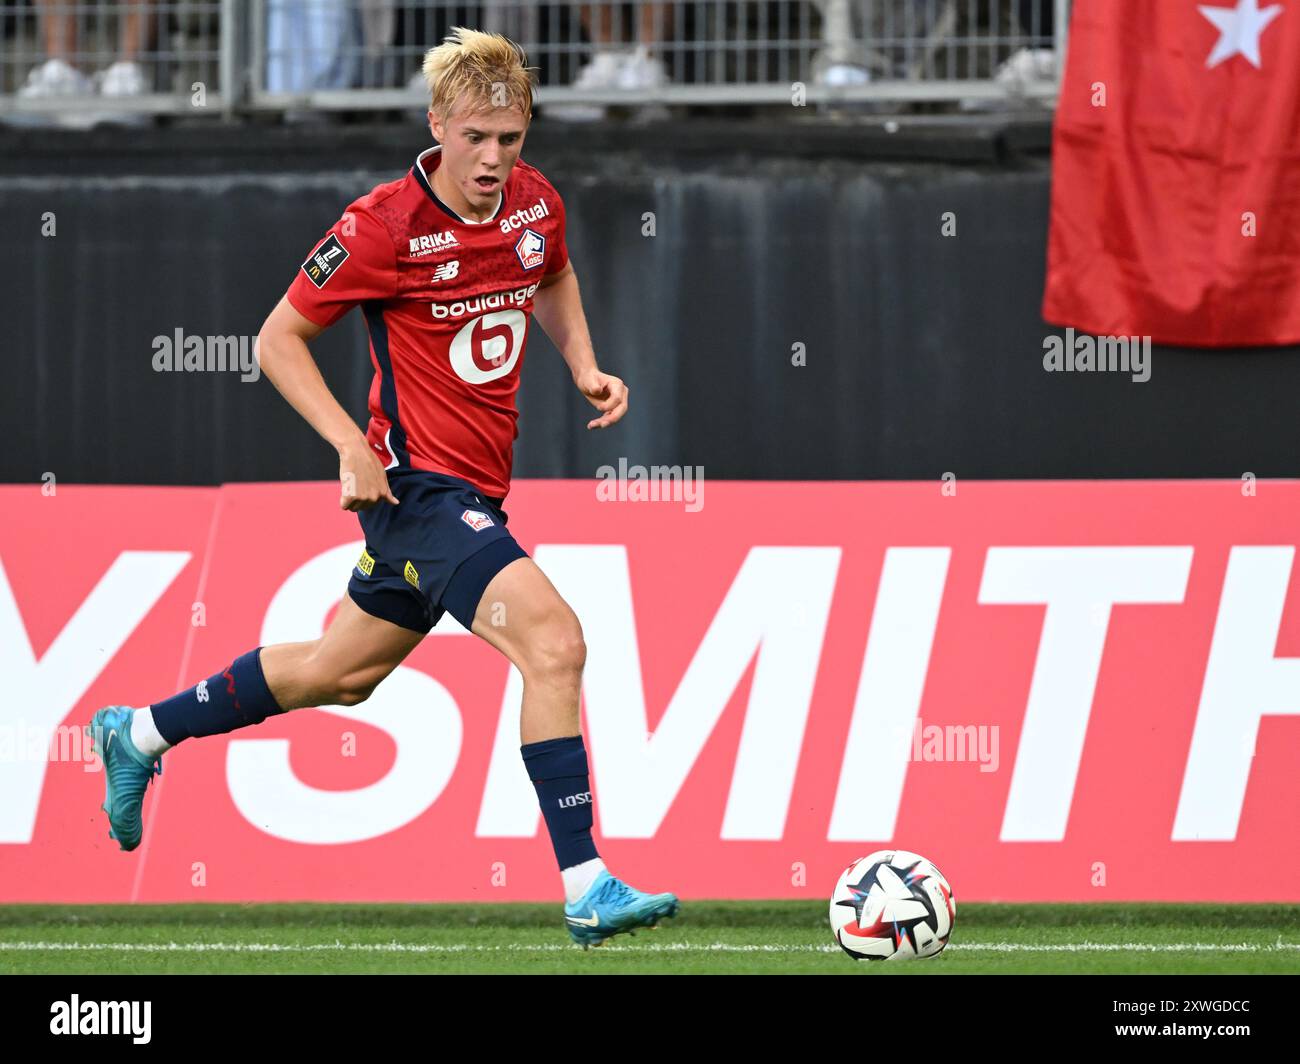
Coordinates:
(476, 520)
(531, 249)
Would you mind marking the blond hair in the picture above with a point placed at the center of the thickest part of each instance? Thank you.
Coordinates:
(487, 69)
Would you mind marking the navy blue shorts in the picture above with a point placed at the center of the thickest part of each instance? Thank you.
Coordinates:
(433, 554)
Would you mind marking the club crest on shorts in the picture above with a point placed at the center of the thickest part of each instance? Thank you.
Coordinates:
(476, 520)
(531, 249)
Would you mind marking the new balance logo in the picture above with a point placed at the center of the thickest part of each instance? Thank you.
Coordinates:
(201, 691)
(574, 799)
(445, 271)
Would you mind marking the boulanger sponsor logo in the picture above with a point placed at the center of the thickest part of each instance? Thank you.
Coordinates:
(1084, 353)
(531, 249)
(323, 263)
(433, 242)
(366, 563)
(525, 216)
(489, 346)
(462, 307)
(412, 576)
(192, 353)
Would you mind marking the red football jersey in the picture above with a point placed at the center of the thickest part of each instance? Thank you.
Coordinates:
(448, 305)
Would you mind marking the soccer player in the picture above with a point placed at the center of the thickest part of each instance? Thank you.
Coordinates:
(447, 264)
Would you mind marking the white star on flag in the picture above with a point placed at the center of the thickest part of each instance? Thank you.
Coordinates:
(1239, 30)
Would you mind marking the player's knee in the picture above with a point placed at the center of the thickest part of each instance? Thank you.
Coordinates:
(344, 689)
(355, 687)
(352, 694)
(557, 649)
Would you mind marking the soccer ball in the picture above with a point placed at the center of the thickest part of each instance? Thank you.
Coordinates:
(892, 904)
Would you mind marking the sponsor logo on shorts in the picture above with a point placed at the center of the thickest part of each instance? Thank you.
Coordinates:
(476, 519)
(366, 563)
(412, 576)
(324, 262)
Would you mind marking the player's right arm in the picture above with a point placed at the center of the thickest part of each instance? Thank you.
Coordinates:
(284, 357)
(354, 263)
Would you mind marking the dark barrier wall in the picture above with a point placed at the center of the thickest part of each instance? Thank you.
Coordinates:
(924, 352)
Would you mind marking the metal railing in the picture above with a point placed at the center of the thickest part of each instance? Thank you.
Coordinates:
(81, 61)
(77, 61)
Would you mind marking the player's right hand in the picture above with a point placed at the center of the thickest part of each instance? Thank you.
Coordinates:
(362, 480)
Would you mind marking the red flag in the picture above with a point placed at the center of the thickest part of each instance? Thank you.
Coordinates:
(1176, 173)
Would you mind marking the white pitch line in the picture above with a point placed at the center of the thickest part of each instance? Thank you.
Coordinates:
(668, 947)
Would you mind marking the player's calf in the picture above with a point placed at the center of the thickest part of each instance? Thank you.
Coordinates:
(543, 639)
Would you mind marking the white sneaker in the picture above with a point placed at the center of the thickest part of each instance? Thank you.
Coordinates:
(55, 77)
(123, 78)
(601, 73)
(843, 76)
(641, 71)
(1025, 68)
(121, 81)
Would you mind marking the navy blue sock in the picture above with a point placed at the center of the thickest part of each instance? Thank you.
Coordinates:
(558, 769)
(231, 699)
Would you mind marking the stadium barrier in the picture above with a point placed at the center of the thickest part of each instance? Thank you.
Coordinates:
(221, 57)
(1064, 691)
(865, 305)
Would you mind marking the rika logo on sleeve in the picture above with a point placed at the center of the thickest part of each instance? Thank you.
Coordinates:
(324, 262)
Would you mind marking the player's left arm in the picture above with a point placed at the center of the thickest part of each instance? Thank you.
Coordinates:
(557, 306)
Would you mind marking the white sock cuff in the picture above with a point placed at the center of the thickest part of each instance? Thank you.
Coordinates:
(579, 878)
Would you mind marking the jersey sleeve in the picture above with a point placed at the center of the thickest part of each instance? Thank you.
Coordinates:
(560, 258)
(354, 263)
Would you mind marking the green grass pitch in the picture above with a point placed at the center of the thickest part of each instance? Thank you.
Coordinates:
(708, 937)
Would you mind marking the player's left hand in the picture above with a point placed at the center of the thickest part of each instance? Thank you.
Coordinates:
(606, 393)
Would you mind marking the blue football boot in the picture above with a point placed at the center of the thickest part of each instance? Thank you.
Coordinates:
(127, 773)
(611, 907)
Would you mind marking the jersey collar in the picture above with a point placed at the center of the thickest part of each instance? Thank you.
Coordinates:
(418, 171)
